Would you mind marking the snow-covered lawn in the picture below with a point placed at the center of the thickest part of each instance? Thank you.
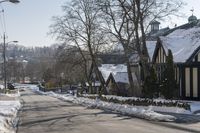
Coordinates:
(8, 114)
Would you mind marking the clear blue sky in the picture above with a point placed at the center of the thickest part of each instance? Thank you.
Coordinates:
(28, 22)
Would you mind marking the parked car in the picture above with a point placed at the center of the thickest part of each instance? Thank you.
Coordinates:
(10, 86)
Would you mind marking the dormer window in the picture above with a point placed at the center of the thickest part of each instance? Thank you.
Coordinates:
(154, 26)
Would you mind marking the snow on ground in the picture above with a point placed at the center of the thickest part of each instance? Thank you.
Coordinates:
(14, 95)
(153, 108)
(9, 106)
(25, 86)
(120, 98)
(147, 112)
(139, 112)
(123, 109)
(195, 107)
(8, 114)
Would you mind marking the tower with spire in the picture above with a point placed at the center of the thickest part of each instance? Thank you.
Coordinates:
(192, 19)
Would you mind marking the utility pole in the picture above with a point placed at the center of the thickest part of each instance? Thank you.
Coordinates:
(4, 61)
(4, 47)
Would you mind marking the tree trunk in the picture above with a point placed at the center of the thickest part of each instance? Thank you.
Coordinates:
(97, 72)
(130, 77)
(143, 54)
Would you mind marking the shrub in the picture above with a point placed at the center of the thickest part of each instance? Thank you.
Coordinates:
(150, 88)
(143, 102)
(50, 84)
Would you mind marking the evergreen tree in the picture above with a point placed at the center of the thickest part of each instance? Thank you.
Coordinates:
(169, 86)
(150, 88)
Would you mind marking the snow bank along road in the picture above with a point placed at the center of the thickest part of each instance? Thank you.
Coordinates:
(8, 113)
(45, 114)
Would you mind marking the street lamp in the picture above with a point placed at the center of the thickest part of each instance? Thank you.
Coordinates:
(12, 1)
(4, 60)
(4, 44)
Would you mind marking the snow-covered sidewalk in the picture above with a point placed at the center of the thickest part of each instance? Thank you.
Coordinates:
(8, 114)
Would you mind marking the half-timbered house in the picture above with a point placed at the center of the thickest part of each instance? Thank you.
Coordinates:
(185, 46)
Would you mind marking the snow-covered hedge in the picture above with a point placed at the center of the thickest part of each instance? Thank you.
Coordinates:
(141, 101)
(147, 114)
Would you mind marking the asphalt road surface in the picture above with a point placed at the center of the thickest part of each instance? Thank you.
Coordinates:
(44, 114)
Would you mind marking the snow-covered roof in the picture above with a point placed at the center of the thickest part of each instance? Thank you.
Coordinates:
(122, 77)
(118, 71)
(151, 45)
(106, 69)
(182, 43)
(25, 61)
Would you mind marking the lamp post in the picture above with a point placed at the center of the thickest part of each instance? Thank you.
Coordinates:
(4, 45)
(4, 60)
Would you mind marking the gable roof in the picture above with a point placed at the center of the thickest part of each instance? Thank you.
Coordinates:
(106, 69)
(182, 42)
(151, 45)
(121, 77)
(118, 72)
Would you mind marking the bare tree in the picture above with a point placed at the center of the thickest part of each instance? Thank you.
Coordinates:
(81, 25)
(120, 26)
(144, 12)
(15, 71)
(70, 65)
(128, 21)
